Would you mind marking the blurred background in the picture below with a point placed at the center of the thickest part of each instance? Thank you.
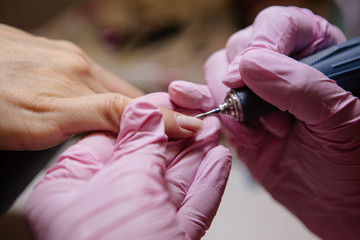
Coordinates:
(151, 43)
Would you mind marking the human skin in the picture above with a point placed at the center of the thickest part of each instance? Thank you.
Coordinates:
(51, 90)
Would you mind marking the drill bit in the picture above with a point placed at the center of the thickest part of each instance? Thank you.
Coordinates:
(229, 106)
(214, 111)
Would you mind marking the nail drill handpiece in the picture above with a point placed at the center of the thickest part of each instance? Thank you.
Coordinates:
(340, 63)
(230, 106)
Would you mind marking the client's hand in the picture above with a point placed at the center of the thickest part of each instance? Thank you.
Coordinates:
(50, 90)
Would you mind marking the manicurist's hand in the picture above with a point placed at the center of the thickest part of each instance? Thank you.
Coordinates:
(137, 185)
(50, 90)
(307, 157)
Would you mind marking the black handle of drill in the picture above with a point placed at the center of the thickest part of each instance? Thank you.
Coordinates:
(340, 63)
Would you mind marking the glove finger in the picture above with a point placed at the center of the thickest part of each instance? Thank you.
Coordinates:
(161, 99)
(293, 30)
(249, 134)
(137, 170)
(182, 169)
(74, 169)
(238, 42)
(129, 193)
(204, 195)
(300, 89)
(215, 68)
(278, 124)
(177, 125)
(141, 125)
(190, 95)
(84, 159)
(288, 30)
(133, 178)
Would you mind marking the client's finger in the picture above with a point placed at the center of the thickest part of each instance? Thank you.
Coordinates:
(103, 112)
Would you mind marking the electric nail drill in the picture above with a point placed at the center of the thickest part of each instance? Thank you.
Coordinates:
(340, 63)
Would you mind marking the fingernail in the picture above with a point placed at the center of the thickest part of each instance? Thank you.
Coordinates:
(189, 123)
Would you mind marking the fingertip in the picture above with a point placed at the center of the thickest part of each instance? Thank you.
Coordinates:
(279, 124)
(220, 154)
(261, 74)
(222, 159)
(189, 123)
(249, 134)
(101, 142)
(92, 138)
(178, 125)
(161, 99)
(215, 69)
(232, 79)
(277, 83)
(238, 42)
(211, 130)
(191, 95)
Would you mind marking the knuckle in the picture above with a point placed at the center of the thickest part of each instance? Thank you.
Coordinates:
(35, 103)
(114, 105)
(79, 65)
(75, 58)
(117, 102)
(70, 46)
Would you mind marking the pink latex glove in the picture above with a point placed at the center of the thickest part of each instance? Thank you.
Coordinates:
(138, 186)
(308, 160)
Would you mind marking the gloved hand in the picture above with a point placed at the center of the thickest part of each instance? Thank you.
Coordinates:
(138, 186)
(309, 158)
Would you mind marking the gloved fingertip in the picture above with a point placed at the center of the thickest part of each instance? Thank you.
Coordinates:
(232, 79)
(222, 161)
(101, 142)
(210, 130)
(249, 134)
(207, 187)
(214, 170)
(278, 124)
(219, 155)
(92, 138)
(161, 99)
(263, 76)
(238, 42)
(215, 68)
(190, 95)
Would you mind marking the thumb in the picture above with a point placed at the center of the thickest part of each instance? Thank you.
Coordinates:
(191, 95)
(104, 111)
(298, 88)
(204, 195)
